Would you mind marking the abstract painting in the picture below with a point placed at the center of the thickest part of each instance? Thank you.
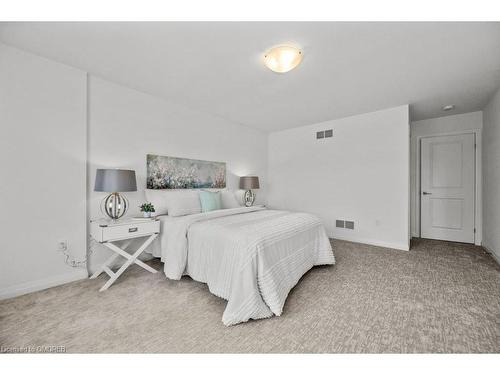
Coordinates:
(166, 172)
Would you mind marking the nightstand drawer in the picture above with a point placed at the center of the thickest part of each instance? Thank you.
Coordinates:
(114, 232)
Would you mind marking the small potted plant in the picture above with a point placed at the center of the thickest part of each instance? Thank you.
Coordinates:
(147, 209)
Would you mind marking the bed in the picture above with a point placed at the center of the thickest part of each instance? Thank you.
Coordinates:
(250, 256)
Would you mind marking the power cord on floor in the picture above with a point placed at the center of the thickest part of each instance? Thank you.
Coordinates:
(70, 261)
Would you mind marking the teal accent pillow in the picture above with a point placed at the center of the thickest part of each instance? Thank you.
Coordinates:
(210, 201)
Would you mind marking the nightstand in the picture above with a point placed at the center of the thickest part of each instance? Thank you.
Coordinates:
(107, 231)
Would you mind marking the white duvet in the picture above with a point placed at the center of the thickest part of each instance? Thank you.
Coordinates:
(250, 256)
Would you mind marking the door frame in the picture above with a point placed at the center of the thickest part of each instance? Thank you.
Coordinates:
(478, 225)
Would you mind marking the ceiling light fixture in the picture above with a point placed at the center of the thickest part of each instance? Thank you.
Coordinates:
(282, 59)
(448, 107)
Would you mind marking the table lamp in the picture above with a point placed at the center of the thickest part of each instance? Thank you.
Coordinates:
(114, 181)
(248, 183)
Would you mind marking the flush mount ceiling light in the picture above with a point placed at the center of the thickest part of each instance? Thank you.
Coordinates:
(448, 107)
(282, 59)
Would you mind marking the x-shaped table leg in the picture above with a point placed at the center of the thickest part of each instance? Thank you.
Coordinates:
(131, 258)
(110, 261)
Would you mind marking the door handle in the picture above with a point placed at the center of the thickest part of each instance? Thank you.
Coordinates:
(426, 193)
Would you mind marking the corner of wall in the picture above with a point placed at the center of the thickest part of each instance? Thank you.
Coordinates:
(491, 176)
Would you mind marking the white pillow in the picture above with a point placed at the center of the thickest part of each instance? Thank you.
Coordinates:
(159, 200)
(174, 202)
(183, 202)
(228, 199)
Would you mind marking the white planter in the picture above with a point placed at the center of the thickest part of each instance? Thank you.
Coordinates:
(146, 214)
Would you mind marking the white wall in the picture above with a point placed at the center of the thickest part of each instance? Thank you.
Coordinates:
(361, 174)
(125, 125)
(52, 141)
(467, 122)
(42, 159)
(491, 176)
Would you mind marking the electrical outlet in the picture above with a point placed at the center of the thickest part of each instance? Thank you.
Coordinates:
(62, 245)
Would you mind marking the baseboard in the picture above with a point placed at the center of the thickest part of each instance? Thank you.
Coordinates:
(34, 286)
(389, 245)
(493, 254)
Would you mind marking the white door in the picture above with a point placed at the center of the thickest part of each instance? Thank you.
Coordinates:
(447, 187)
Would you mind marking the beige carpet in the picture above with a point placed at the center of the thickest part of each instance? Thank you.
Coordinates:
(439, 297)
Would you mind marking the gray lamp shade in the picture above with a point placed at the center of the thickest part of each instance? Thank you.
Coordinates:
(115, 180)
(249, 182)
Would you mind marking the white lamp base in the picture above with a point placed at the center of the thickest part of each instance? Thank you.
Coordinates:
(114, 205)
(249, 198)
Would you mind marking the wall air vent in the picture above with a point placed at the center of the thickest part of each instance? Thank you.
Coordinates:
(324, 134)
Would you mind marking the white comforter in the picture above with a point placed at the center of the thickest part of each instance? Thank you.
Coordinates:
(252, 257)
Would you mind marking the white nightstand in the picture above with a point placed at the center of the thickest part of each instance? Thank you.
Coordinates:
(106, 232)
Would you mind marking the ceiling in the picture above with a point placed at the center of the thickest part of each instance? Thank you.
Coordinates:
(348, 68)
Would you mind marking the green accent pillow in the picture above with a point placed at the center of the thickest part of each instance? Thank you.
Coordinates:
(210, 201)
